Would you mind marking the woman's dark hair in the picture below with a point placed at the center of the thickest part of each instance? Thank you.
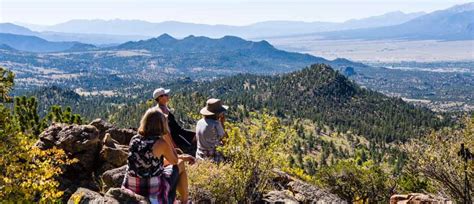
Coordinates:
(214, 117)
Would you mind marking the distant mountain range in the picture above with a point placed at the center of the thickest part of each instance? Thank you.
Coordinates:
(104, 32)
(151, 61)
(261, 29)
(455, 23)
(97, 39)
(35, 44)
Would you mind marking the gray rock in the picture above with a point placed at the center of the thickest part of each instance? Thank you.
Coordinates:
(48, 137)
(117, 156)
(79, 141)
(293, 190)
(283, 196)
(109, 141)
(102, 126)
(125, 196)
(84, 195)
(418, 198)
(122, 136)
(305, 193)
(113, 178)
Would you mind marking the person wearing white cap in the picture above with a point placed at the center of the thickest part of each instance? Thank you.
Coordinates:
(210, 130)
(182, 138)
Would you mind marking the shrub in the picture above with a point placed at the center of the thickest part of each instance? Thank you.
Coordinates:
(357, 183)
(435, 158)
(252, 150)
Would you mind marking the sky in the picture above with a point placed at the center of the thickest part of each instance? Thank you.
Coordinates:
(229, 12)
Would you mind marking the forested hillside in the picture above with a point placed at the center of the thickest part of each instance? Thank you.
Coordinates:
(322, 95)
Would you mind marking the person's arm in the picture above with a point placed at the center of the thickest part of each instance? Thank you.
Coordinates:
(220, 128)
(186, 157)
(161, 147)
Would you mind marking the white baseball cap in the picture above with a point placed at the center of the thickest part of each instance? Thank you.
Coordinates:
(160, 91)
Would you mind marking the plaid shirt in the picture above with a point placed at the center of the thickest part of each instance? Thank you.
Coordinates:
(155, 188)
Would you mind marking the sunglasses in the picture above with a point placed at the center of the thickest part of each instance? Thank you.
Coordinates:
(163, 95)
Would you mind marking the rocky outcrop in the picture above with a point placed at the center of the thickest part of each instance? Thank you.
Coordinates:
(125, 196)
(84, 196)
(112, 154)
(416, 198)
(122, 136)
(78, 141)
(293, 190)
(102, 151)
(113, 196)
(102, 126)
(113, 178)
(98, 147)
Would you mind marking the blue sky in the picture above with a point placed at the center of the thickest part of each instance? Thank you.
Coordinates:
(230, 12)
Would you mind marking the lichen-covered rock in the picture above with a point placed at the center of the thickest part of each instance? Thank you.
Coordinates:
(125, 196)
(113, 178)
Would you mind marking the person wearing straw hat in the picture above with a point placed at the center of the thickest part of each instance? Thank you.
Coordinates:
(182, 138)
(210, 130)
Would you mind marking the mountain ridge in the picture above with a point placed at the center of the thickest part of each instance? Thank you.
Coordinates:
(449, 24)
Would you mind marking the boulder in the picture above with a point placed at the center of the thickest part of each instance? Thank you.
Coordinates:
(84, 195)
(307, 193)
(293, 190)
(415, 198)
(49, 136)
(113, 178)
(102, 126)
(283, 196)
(79, 141)
(116, 156)
(122, 136)
(125, 196)
(109, 141)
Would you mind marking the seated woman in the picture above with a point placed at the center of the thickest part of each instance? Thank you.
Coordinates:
(210, 130)
(149, 153)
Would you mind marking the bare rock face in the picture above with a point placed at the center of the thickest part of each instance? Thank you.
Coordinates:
(415, 198)
(125, 196)
(296, 191)
(116, 156)
(79, 141)
(122, 136)
(84, 195)
(113, 178)
(283, 196)
(102, 126)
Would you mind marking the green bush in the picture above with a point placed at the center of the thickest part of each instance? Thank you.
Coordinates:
(253, 149)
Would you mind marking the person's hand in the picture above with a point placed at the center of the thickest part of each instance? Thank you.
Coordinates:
(186, 157)
(222, 118)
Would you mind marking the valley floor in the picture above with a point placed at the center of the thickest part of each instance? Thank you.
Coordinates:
(379, 50)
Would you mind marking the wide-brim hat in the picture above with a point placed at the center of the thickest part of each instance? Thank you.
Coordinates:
(160, 91)
(213, 106)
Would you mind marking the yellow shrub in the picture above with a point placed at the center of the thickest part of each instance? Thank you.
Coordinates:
(28, 173)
